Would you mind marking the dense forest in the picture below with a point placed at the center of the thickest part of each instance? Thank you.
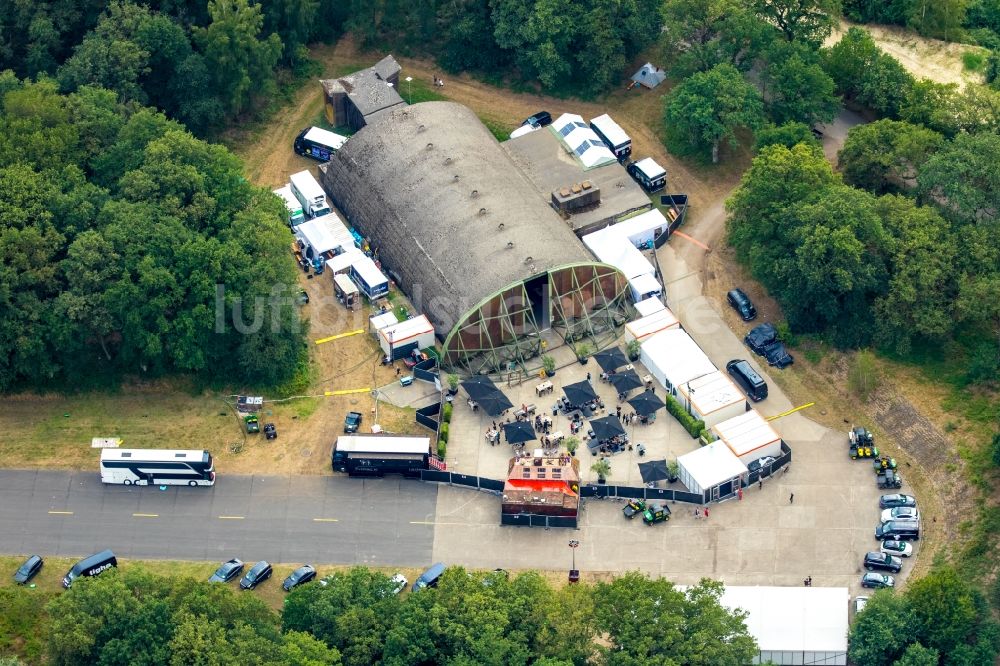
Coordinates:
(134, 618)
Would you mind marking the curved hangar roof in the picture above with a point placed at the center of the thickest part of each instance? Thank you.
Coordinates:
(451, 215)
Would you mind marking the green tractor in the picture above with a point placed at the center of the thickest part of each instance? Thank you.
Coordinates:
(251, 423)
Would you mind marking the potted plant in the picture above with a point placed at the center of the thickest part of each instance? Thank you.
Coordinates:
(582, 352)
(452, 384)
(549, 365)
(673, 471)
(633, 348)
(572, 443)
(601, 468)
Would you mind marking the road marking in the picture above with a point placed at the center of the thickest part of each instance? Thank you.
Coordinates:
(61, 513)
(325, 520)
(346, 391)
(340, 335)
(790, 411)
(693, 240)
(145, 515)
(230, 517)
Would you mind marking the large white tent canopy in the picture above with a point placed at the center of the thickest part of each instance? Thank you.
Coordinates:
(672, 357)
(707, 467)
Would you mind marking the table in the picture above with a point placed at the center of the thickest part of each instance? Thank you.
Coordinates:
(543, 388)
(557, 436)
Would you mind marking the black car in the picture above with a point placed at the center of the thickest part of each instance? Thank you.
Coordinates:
(777, 355)
(761, 465)
(877, 581)
(883, 561)
(894, 500)
(760, 336)
(31, 566)
(300, 576)
(229, 570)
(352, 422)
(540, 119)
(258, 574)
(742, 304)
(270, 431)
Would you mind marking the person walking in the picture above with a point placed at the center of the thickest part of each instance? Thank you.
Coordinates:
(760, 483)
(706, 513)
(791, 498)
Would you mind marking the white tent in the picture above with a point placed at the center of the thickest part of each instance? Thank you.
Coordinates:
(325, 137)
(643, 286)
(380, 321)
(611, 248)
(325, 234)
(397, 339)
(369, 278)
(648, 326)
(795, 625)
(582, 141)
(713, 398)
(343, 261)
(712, 471)
(643, 228)
(673, 358)
(749, 436)
(648, 306)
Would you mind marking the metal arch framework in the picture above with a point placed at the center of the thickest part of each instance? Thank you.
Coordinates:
(583, 302)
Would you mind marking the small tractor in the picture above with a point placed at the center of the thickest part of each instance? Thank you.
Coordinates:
(862, 443)
(883, 463)
(252, 424)
(887, 478)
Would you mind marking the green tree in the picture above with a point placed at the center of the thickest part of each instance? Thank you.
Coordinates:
(940, 18)
(707, 109)
(943, 611)
(797, 88)
(787, 135)
(704, 33)
(880, 632)
(293, 21)
(241, 64)
(886, 155)
(468, 42)
(917, 655)
(807, 21)
(863, 73)
(962, 179)
(302, 649)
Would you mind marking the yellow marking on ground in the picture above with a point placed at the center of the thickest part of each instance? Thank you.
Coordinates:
(61, 513)
(340, 335)
(346, 391)
(325, 520)
(790, 411)
(230, 517)
(145, 515)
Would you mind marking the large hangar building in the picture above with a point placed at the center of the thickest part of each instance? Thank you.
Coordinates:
(466, 236)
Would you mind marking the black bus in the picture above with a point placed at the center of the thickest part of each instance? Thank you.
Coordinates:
(378, 455)
(91, 566)
(318, 143)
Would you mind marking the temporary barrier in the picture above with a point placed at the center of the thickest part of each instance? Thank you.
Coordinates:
(427, 416)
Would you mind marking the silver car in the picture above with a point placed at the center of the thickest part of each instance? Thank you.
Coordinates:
(901, 513)
(897, 548)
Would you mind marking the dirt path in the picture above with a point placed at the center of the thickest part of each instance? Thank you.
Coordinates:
(923, 57)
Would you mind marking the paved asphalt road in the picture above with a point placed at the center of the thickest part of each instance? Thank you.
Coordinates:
(321, 520)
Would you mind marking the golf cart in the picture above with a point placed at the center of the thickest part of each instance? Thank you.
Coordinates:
(863, 451)
(270, 431)
(859, 436)
(883, 463)
(635, 506)
(889, 479)
(660, 514)
(252, 424)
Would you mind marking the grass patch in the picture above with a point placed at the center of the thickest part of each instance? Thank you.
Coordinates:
(417, 91)
(500, 130)
(974, 61)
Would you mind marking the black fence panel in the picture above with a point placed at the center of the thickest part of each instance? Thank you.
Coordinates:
(516, 519)
(427, 416)
(690, 498)
(435, 476)
(659, 494)
(491, 484)
(625, 491)
(426, 370)
(538, 521)
(403, 351)
(562, 521)
(465, 480)
(588, 491)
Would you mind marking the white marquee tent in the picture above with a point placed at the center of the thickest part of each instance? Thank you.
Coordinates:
(713, 398)
(642, 228)
(325, 234)
(673, 358)
(712, 471)
(749, 436)
(648, 326)
(582, 141)
(648, 306)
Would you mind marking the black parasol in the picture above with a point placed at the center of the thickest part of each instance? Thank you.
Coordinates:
(653, 471)
(646, 403)
(580, 393)
(517, 432)
(626, 381)
(607, 427)
(610, 359)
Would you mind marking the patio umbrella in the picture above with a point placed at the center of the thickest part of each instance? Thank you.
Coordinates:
(625, 381)
(607, 427)
(479, 385)
(653, 471)
(579, 393)
(493, 403)
(518, 431)
(610, 359)
(646, 403)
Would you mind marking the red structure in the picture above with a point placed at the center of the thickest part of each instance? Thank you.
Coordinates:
(542, 487)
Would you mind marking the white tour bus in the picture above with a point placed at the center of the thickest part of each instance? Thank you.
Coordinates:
(154, 467)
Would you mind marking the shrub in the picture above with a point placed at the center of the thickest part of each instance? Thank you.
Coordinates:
(691, 424)
(443, 433)
(863, 376)
(583, 350)
(601, 468)
(549, 364)
(453, 382)
(996, 461)
(785, 334)
(442, 449)
(973, 61)
(634, 348)
(446, 413)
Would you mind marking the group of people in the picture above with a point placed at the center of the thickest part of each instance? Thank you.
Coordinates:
(543, 424)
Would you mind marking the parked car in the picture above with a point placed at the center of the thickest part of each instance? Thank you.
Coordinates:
(883, 562)
(742, 304)
(27, 571)
(300, 576)
(898, 530)
(429, 578)
(352, 422)
(896, 499)
(399, 583)
(229, 570)
(634, 507)
(897, 548)
(748, 379)
(258, 574)
(653, 515)
(540, 119)
(760, 336)
(524, 129)
(270, 431)
(876, 581)
(901, 513)
(761, 464)
(777, 356)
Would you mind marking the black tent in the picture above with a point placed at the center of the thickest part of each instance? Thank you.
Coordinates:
(479, 385)
(653, 471)
(494, 403)
(607, 427)
(646, 403)
(626, 381)
(610, 359)
(579, 393)
(518, 431)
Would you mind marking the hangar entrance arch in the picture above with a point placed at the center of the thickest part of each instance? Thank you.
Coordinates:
(537, 289)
